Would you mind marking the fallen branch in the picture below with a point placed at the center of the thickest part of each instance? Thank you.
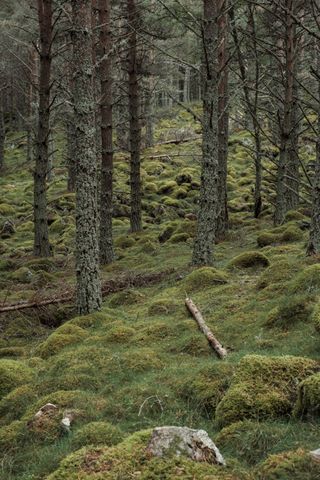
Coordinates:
(108, 287)
(213, 342)
(178, 141)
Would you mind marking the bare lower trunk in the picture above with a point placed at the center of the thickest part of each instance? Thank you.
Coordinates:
(106, 242)
(2, 136)
(134, 118)
(209, 199)
(223, 123)
(41, 236)
(87, 250)
(71, 160)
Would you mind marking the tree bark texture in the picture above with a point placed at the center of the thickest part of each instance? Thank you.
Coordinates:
(209, 197)
(87, 249)
(134, 117)
(41, 246)
(106, 241)
(2, 135)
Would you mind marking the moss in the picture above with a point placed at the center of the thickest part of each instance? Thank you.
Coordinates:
(42, 264)
(308, 402)
(294, 465)
(3, 248)
(293, 215)
(22, 275)
(167, 187)
(125, 241)
(127, 297)
(251, 259)
(167, 232)
(179, 238)
(153, 332)
(263, 387)
(316, 317)
(129, 457)
(307, 281)
(278, 273)
(25, 227)
(268, 238)
(6, 210)
(97, 433)
(64, 336)
(10, 436)
(12, 352)
(149, 247)
(292, 234)
(150, 187)
(119, 334)
(291, 309)
(42, 279)
(180, 193)
(204, 277)
(162, 306)
(14, 404)
(136, 361)
(184, 177)
(12, 374)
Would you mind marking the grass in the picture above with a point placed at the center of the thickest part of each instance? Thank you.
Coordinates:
(142, 362)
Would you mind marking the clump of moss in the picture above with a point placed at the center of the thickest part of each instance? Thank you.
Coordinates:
(283, 234)
(167, 187)
(153, 332)
(162, 306)
(43, 264)
(12, 352)
(316, 317)
(167, 232)
(129, 457)
(251, 259)
(278, 273)
(15, 402)
(292, 234)
(125, 241)
(11, 435)
(308, 402)
(267, 238)
(12, 374)
(22, 275)
(127, 297)
(263, 387)
(184, 177)
(307, 281)
(293, 215)
(296, 465)
(119, 334)
(291, 309)
(179, 238)
(66, 335)
(97, 433)
(204, 277)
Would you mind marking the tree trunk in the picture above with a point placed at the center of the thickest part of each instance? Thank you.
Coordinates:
(41, 235)
(106, 242)
(2, 135)
(314, 239)
(209, 198)
(223, 122)
(134, 118)
(87, 250)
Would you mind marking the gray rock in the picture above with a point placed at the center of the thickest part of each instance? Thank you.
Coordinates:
(315, 454)
(195, 444)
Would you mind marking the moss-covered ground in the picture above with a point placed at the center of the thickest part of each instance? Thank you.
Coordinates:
(141, 362)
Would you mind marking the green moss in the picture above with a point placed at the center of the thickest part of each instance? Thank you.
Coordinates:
(12, 374)
(263, 387)
(167, 232)
(204, 277)
(162, 306)
(308, 402)
(251, 259)
(119, 334)
(292, 234)
(316, 317)
(64, 336)
(127, 297)
(22, 275)
(6, 210)
(179, 238)
(125, 241)
(149, 247)
(12, 352)
(25, 227)
(295, 465)
(268, 238)
(291, 309)
(167, 187)
(180, 193)
(14, 404)
(184, 177)
(278, 273)
(293, 215)
(307, 281)
(97, 433)
(42, 264)
(10, 435)
(153, 332)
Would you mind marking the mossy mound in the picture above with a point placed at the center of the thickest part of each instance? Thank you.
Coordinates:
(204, 277)
(307, 281)
(294, 465)
(119, 334)
(268, 238)
(167, 232)
(10, 436)
(291, 233)
(12, 352)
(14, 404)
(308, 402)
(291, 309)
(43, 264)
(97, 433)
(153, 332)
(251, 259)
(263, 387)
(179, 238)
(163, 306)
(316, 317)
(293, 215)
(167, 187)
(22, 275)
(124, 460)
(12, 374)
(125, 241)
(127, 297)
(278, 273)
(6, 210)
(66, 335)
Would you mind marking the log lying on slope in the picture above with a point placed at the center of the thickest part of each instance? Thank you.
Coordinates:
(213, 342)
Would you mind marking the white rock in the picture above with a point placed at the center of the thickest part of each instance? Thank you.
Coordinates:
(315, 454)
(48, 407)
(195, 444)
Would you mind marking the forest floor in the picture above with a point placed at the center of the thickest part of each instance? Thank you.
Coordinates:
(142, 362)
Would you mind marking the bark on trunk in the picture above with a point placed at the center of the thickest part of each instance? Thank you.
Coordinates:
(106, 241)
(209, 198)
(223, 122)
(134, 114)
(87, 251)
(41, 235)
(2, 135)
(314, 239)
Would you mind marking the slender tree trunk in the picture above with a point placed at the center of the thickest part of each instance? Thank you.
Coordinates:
(71, 160)
(287, 158)
(223, 122)
(2, 135)
(209, 198)
(314, 239)
(87, 249)
(41, 236)
(134, 114)
(106, 242)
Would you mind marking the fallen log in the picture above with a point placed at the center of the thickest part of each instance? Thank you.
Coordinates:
(178, 141)
(213, 342)
(108, 287)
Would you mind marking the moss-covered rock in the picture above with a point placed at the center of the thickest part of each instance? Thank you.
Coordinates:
(22, 275)
(268, 238)
(291, 309)
(64, 336)
(308, 402)
(167, 187)
(97, 433)
(294, 465)
(263, 387)
(12, 374)
(251, 259)
(204, 277)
